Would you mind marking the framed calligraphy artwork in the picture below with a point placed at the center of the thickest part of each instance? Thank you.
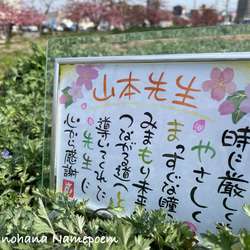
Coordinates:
(167, 131)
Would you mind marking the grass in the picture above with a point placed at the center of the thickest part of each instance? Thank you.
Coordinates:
(19, 46)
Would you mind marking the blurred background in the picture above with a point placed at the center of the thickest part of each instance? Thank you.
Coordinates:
(45, 16)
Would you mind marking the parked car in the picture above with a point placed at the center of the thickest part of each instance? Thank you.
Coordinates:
(46, 28)
(67, 29)
(59, 28)
(25, 28)
(33, 28)
(30, 28)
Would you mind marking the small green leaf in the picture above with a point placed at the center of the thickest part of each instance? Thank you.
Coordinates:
(67, 226)
(111, 203)
(79, 222)
(246, 209)
(142, 243)
(41, 227)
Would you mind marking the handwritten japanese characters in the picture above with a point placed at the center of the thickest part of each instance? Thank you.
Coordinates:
(160, 135)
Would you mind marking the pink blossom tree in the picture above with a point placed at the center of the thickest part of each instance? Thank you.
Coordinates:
(19, 15)
(155, 15)
(8, 17)
(135, 15)
(29, 15)
(75, 11)
(114, 16)
(206, 17)
(97, 11)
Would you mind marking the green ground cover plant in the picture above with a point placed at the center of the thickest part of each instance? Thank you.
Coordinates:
(29, 213)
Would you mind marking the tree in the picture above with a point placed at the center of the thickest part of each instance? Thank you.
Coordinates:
(135, 15)
(209, 17)
(114, 17)
(154, 15)
(19, 15)
(74, 10)
(178, 20)
(47, 4)
(8, 17)
(206, 17)
(97, 11)
(29, 15)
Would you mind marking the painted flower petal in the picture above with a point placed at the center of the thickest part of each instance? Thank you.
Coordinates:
(90, 121)
(228, 74)
(218, 94)
(75, 92)
(79, 95)
(245, 106)
(62, 99)
(215, 74)
(199, 126)
(231, 88)
(208, 85)
(79, 69)
(84, 106)
(79, 81)
(226, 108)
(74, 85)
(88, 85)
(247, 90)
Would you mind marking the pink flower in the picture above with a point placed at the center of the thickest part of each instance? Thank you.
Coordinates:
(62, 99)
(75, 91)
(226, 108)
(86, 75)
(220, 83)
(245, 105)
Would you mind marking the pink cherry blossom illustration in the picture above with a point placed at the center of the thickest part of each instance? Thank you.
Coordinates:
(220, 83)
(84, 106)
(75, 92)
(86, 74)
(226, 108)
(90, 121)
(245, 105)
(199, 126)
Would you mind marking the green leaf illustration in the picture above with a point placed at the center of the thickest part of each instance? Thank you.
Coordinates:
(237, 115)
(236, 99)
(68, 97)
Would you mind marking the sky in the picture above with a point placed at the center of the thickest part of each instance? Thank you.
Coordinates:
(189, 4)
